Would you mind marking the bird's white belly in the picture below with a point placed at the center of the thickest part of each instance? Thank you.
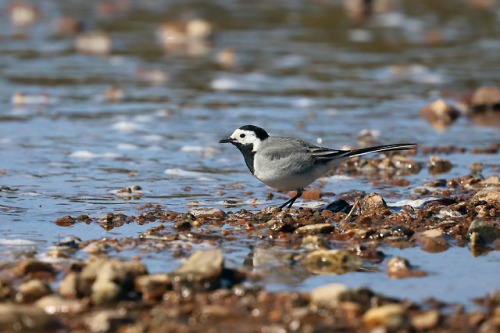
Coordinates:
(289, 180)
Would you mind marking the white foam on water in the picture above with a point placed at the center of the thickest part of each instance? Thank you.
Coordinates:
(16, 242)
(187, 174)
(86, 155)
(125, 126)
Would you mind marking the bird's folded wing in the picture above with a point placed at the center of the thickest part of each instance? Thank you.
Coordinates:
(320, 153)
(279, 153)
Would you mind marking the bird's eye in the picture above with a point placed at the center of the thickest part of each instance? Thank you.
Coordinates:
(242, 136)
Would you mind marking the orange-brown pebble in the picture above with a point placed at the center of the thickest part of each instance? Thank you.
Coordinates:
(65, 221)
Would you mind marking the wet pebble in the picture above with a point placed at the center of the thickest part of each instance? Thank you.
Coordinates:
(53, 304)
(105, 281)
(282, 223)
(152, 76)
(66, 25)
(96, 247)
(405, 164)
(183, 225)
(492, 180)
(227, 58)
(107, 321)
(389, 317)
(68, 287)
(189, 36)
(439, 114)
(32, 290)
(372, 202)
(188, 30)
(320, 228)
(34, 268)
(485, 98)
(312, 242)
(114, 280)
(65, 221)
(490, 195)
(25, 318)
(201, 271)
(399, 268)
(481, 233)
(23, 14)
(312, 194)
(425, 320)
(133, 191)
(209, 214)
(476, 167)
(153, 286)
(6, 289)
(94, 42)
(339, 206)
(329, 295)
(113, 220)
(367, 252)
(437, 165)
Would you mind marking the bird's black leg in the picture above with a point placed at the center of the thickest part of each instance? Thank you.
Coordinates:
(292, 200)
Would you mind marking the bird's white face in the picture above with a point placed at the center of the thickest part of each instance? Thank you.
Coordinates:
(246, 138)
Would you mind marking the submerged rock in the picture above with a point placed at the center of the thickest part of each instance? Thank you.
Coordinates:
(432, 241)
(331, 262)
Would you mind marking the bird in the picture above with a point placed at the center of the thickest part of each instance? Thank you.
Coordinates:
(290, 164)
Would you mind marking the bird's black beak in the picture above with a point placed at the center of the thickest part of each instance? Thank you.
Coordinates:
(226, 140)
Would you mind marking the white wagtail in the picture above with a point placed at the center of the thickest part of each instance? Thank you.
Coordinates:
(289, 164)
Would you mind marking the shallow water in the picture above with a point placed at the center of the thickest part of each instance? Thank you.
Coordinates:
(302, 69)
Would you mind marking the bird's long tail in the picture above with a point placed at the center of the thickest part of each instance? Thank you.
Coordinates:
(368, 150)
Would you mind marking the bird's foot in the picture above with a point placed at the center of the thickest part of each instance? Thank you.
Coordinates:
(292, 200)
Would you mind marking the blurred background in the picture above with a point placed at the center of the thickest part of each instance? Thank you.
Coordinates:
(100, 95)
